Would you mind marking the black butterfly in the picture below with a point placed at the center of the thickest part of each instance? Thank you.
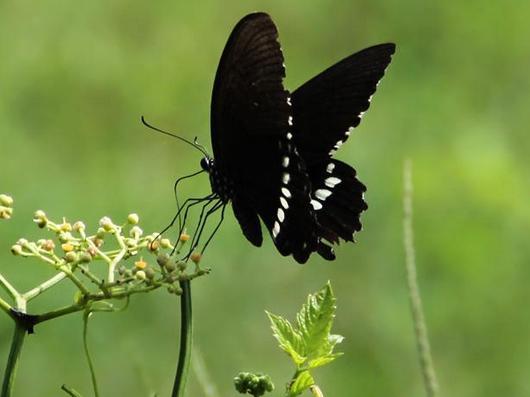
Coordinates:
(273, 150)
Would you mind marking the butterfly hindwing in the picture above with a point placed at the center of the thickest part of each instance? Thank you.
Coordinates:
(338, 200)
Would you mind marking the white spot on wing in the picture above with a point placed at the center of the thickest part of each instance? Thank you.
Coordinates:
(280, 214)
(285, 161)
(338, 145)
(286, 192)
(322, 194)
(284, 203)
(286, 177)
(316, 205)
(289, 101)
(289, 136)
(332, 181)
(330, 168)
(290, 120)
(275, 229)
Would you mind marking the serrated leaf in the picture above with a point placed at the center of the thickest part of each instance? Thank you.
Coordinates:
(320, 361)
(300, 383)
(314, 323)
(288, 338)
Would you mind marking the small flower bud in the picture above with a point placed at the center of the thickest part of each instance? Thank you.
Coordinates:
(65, 227)
(39, 214)
(136, 232)
(133, 219)
(100, 233)
(153, 246)
(121, 270)
(196, 257)
(165, 243)
(150, 273)
(64, 237)
(140, 265)
(67, 247)
(170, 266)
(140, 275)
(40, 218)
(71, 257)
(184, 237)
(79, 226)
(22, 242)
(98, 242)
(16, 249)
(106, 224)
(48, 245)
(6, 212)
(6, 200)
(85, 257)
(182, 265)
(162, 259)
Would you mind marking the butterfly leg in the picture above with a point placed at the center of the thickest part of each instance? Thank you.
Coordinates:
(214, 230)
(196, 239)
(201, 218)
(191, 202)
(175, 190)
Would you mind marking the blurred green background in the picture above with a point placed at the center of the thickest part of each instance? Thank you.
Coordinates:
(75, 78)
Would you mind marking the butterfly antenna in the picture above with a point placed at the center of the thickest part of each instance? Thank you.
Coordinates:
(194, 144)
(197, 144)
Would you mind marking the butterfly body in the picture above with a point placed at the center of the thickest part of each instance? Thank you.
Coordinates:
(273, 149)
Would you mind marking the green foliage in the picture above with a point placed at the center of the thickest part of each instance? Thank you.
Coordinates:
(309, 342)
(253, 384)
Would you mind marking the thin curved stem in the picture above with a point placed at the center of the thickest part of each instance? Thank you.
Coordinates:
(88, 356)
(12, 361)
(186, 335)
(420, 327)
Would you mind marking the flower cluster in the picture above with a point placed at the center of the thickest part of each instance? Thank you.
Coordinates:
(253, 384)
(116, 261)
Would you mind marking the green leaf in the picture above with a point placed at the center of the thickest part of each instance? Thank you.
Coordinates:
(314, 322)
(288, 338)
(320, 361)
(300, 383)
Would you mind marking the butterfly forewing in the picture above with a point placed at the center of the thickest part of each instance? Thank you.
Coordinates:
(252, 140)
(326, 107)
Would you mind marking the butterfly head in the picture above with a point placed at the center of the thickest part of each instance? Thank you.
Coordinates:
(207, 164)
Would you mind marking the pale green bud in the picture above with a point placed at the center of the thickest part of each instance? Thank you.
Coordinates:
(16, 249)
(133, 219)
(6, 200)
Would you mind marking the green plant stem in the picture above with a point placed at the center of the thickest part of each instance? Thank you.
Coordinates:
(420, 327)
(6, 307)
(87, 354)
(8, 287)
(186, 335)
(12, 361)
(71, 392)
(43, 287)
